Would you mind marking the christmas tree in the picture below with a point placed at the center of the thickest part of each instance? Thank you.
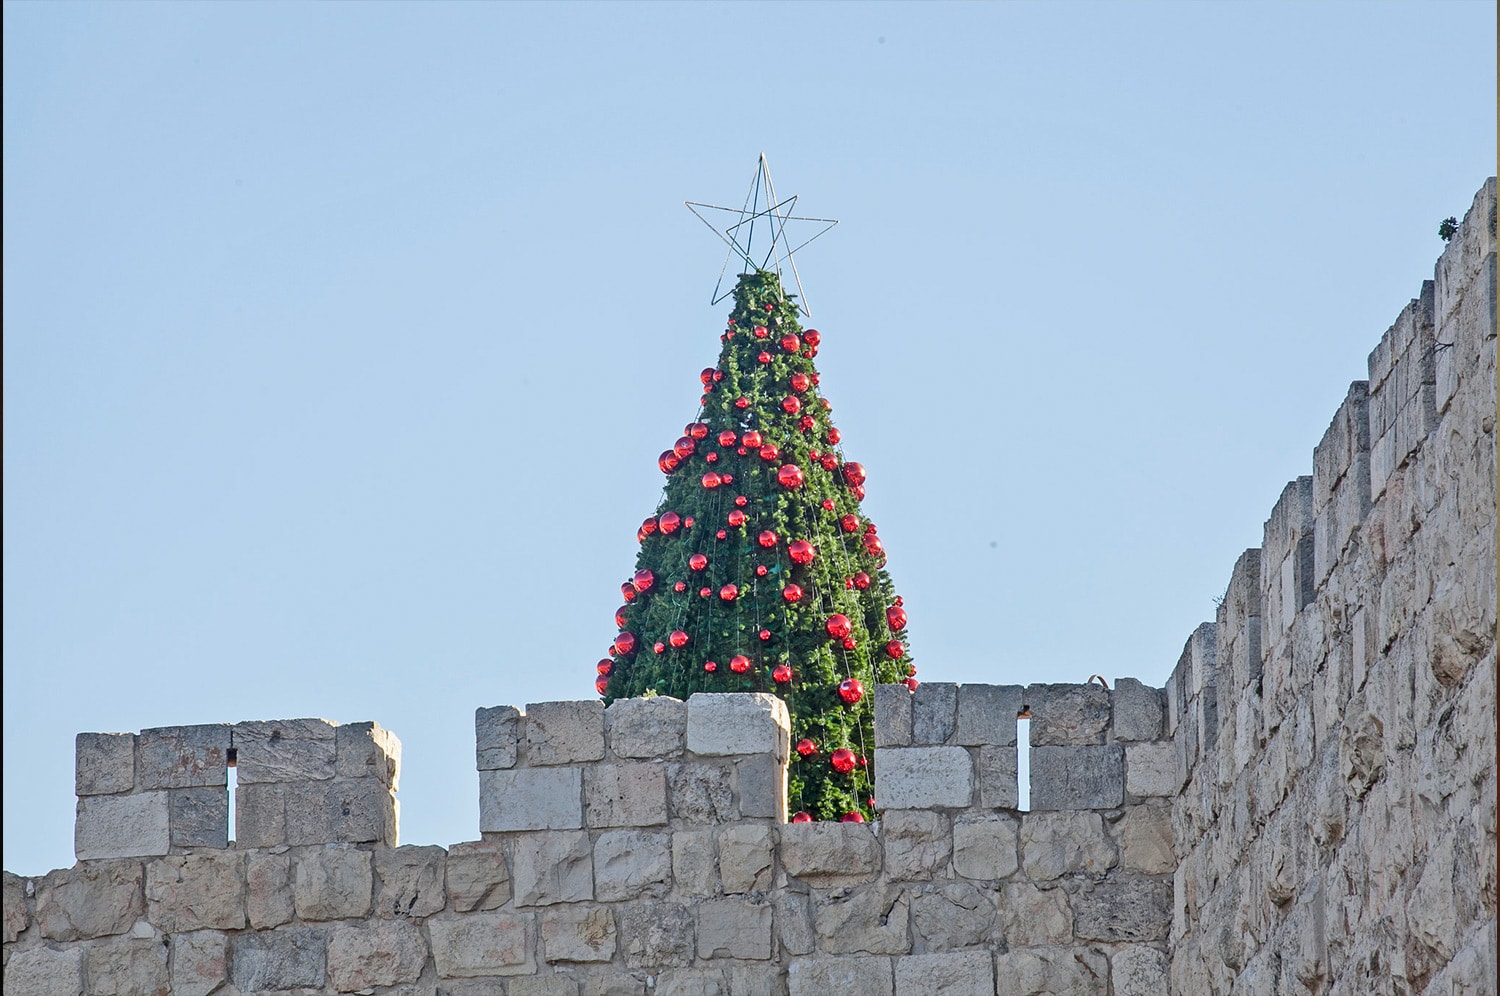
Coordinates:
(758, 571)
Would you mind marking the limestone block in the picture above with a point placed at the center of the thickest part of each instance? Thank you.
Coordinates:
(1151, 769)
(953, 915)
(923, 777)
(695, 866)
(196, 892)
(268, 894)
(918, 844)
(625, 795)
(578, 933)
(1145, 836)
(284, 750)
(998, 786)
(1054, 844)
(484, 944)
(987, 715)
(368, 750)
(1032, 917)
(646, 728)
(260, 815)
(200, 962)
(1067, 715)
(1060, 971)
(1137, 711)
(17, 918)
(632, 864)
(824, 976)
(794, 923)
(733, 928)
(745, 858)
(549, 868)
(692, 982)
(198, 817)
(539, 985)
(701, 792)
(762, 781)
(961, 973)
(1124, 910)
(387, 953)
(497, 737)
(1077, 777)
(893, 716)
(656, 934)
(347, 811)
(104, 763)
(985, 850)
(45, 972)
(287, 958)
(530, 799)
(477, 876)
(411, 881)
(332, 883)
(934, 713)
(830, 854)
(737, 723)
(126, 967)
(88, 900)
(121, 826)
(183, 756)
(564, 732)
(873, 920)
(753, 980)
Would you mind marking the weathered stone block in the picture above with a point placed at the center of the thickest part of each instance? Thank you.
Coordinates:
(987, 715)
(701, 792)
(497, 737)
(1033, 917)
(411, 881)
(695, 866)
(1145, 836)
(1067, 715)
(652, 727)
(183, 756)
(268, 899)
(985, 849)
(823, 976)
(692, 982)
(17, 919)
(530, 799)
(484, 944)
(625, 795)
(45, 972)
(998, 786)
(552, 868)
(961, 973)
(200, 962)
(745, 858)
(196, 892)
(198, 817)
(1151, 769)
(353, 811)
(104, 763)
(1054, 844)
(1138, 970)
(260, 815)
(126, 967)
(564, 732)
(934, 712)
(368, 750)
(893, 716)
(794, 923)
(1137, 711)
(538, 985)
(656, 934)
(1077, 777)
(761, 781)
(733, 928)
(952, 915)
(387, 953)
(632, 864)
(873, 920)
(1124, 910)
(578, 934)
(89, 900)
(122, 826)
(1059, 971)
(290, 958)
(918, 844)
(738, 723)
(477, 876)
(923, 777)
(332, 883)
(830, 854)
(284, 750)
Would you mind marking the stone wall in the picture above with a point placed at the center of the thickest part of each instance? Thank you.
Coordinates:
(1307, 807)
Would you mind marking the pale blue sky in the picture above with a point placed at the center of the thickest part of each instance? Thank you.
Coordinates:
(340, 340)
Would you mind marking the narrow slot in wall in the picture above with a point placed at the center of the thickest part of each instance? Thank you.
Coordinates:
(230, 758)
(1023, 761)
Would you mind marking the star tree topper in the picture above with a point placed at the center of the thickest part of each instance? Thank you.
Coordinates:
(761, 205)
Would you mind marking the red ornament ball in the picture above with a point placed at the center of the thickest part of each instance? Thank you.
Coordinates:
(873, 546)
(770, 452)
(764, 635)
(687, 523)
(649, 526)
(736, 518)
(760, 570)
(848, 584)
(729, 592)
(828, 504)
(726, 438)
(760, 330)
(605, 667)
(739, 663)
(695, 430)
(805, 423)
(764, 357)
(781, 674)
(800, 382)
(721, 534)
(680, 586)
(620, 616)
(848, 643)
(710, 666)
(854, 473)
(697, 562)
(802, 817)
(806, 747)
(895, 649)
(684, 447)
(600, 684)
(791, 405)
(643, 580)
(766, 539)
(911, 684)
(858, 491)
(669, 522)
(728, 478)
(791, 343)
(628, 591)
(842, 760)
(834, 436)
(801, 551)
(624, 645)
(678, 639)
(829, 461)
(838, 626)
(711, 457)
(789, 476)
(705, 592)
(862, 581)
(707, 376)
(850, 523)
(718, 376)
(741, 501)
(851, 690)
(792, 593)
(812, 337)
(742, 403)
(658, 647)
(852, 817)
(741, 451)
(712, 480)
(751, 438)
(668, 461)
(895, 616)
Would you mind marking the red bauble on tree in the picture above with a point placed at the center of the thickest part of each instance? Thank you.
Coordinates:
(712, 480)
(851, 690)
(766, 539)
(791, 405)
(853, 816)
(842, 760)
(739, 664)
(895, 617)
(849, 523)
(729, 592)
(789, 476)
(802, 816)
(605, 667)
(801, 551)
(838, 626)
(669, 523)
(894, 649)
(781, 674)
(736, 518)
(791, 343)
(800, 382)
(624, 645)
(643, 580)
(684, 447)
(854, 474)
(726, 438)
(792, 593)
(812, 337)
(668, 461)
(697, 562)
(678, 639)
(696, 430)
(770, 452)
(806, 748)
(628, 592)
(751, 439)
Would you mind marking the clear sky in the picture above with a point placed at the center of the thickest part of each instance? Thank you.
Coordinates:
(341, 339)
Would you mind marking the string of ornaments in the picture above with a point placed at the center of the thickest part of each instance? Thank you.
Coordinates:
(758, 570)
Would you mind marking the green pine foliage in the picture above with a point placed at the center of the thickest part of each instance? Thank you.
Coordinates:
(765, 383)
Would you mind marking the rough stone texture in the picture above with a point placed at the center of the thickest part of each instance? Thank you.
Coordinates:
(923, 777)
(823, 976)
(384, 954)
(695, 865)
(93, 899)
(352, 811)
(830, 854)
(745, 858)
(368, 750)
(1151, 769)
(656, 934)
(477, 877)
(733, 928)
(196, 892)
(45, 972)
(1056, 971)
(1077, 777)
(287, 958)
(701, 793)
(1136, 711)
(286, 750)
(625, 795)
(198, 817)
(720, 725)
(1138, 970)
(411, 881)
(953, 915)
(484, 944)
(578, 934)
(121, 826)
(962, 973)
(893, 716)
(530, 799)
(1033, 917)
(268, 898)
(1068, 715)
(497, 737)
(1124, 910)
(987, 715)
(259, 815)
(872, 920)
(632, 864)
(934, 713)
(182, 757)
(332, 883)
(1145, 837)
(552, 868)
(1055, 844)
(104, 763)
(646, 728)
(998, 786)
(985, 849)
(200, 962)
(126, 967)
(17, 919)
(762, 784)
(564, 732)
(917, 844)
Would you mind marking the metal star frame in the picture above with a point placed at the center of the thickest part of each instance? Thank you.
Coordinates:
(761, 204)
